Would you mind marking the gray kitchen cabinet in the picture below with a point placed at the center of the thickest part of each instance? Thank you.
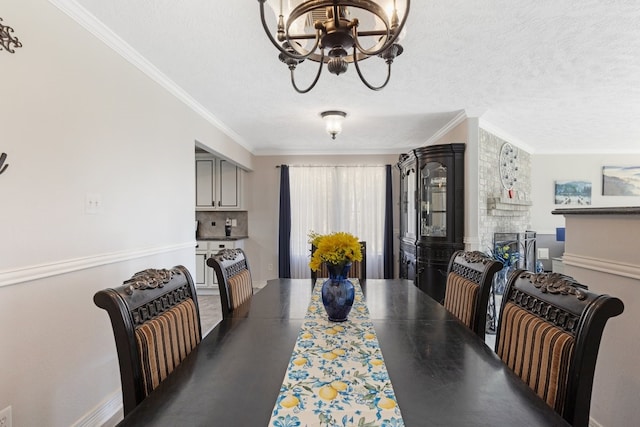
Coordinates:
(218, 184)
(206, 280)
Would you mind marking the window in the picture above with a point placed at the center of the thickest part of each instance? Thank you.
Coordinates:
(325, 199)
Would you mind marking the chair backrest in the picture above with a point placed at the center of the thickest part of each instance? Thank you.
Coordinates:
(358, 269)
(469, 281)
(234, 278)
(156, 324)
(549, 334)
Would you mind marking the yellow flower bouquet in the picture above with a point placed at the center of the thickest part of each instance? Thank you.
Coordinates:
(334, 248)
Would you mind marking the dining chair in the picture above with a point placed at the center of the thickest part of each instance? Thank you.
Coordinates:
(358, 268)
(156, 324)
(469, 280)
(234, 279)
(549, 334)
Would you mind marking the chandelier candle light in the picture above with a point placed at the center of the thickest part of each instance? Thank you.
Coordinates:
(305, 29)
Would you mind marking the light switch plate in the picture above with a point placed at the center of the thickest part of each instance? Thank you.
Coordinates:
(543, 253)
(92, 203)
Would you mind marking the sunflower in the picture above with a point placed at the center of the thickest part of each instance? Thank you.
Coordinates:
(334, 248)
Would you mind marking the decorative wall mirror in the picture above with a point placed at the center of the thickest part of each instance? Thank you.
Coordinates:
(508, 163)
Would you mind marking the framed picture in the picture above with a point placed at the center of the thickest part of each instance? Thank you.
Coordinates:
(621, 180)
(573, 193)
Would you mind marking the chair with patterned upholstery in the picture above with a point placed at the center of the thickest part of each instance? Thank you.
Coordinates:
(234, 279)
(549, 334)
(156, 324)
(358, 269)
(469, 280)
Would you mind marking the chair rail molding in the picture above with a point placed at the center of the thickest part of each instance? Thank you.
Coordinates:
(41, 271)
(602, 265)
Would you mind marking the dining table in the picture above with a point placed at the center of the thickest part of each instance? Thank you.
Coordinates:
(442, 373)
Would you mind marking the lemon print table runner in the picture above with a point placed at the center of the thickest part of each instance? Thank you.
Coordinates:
(336, 375)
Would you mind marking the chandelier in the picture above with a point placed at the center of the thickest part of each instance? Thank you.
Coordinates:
(324, 31)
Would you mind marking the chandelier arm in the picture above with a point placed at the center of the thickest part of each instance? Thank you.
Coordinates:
(392, 36)
(372, 52)
(301, 56)
(277, 45)
(313, 84)
(363, 80)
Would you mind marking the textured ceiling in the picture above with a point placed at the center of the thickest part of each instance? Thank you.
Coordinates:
(553, 76)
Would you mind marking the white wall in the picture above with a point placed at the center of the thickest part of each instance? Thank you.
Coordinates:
(264, 188)
(547, 168)
(78, 119)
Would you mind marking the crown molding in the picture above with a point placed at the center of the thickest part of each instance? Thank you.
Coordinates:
(121, 47)
(459, 118)
(505, 135)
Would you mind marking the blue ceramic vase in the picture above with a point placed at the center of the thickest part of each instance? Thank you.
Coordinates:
(338, 292)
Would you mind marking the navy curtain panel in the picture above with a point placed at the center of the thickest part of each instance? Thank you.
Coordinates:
(387, 254)
(284, 233)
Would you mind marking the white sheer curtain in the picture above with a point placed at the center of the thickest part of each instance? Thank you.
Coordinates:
(326, 199)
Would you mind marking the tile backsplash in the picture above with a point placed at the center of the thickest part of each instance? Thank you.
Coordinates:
(207, 219)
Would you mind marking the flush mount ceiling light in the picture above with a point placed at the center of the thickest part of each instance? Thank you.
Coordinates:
(7, 40)
(333, 121)
(305, 29)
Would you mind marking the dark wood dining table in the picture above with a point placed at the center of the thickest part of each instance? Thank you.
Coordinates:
(442, 373)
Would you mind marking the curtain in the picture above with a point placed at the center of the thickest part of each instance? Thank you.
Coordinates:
(326, 199)
(388, 225)
(284, 223)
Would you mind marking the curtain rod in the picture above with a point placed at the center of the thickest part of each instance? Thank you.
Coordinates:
(332, 166)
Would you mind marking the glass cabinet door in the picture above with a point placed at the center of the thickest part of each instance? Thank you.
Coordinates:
(411, 205)
(408, 215)
(433, 200)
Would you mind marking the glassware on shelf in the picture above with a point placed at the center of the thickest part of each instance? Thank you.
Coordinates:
(434, 200)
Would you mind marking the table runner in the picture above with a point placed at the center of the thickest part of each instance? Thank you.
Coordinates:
(336, 375)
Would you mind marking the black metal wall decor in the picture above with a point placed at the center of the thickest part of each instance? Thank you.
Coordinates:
(3, 158)
(7, 41)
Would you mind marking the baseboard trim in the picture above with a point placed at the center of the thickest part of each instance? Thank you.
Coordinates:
(602, 265)
(41, 271)
(103, 413)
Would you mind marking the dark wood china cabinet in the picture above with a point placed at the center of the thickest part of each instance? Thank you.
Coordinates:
(408, 216)
(431, 214)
